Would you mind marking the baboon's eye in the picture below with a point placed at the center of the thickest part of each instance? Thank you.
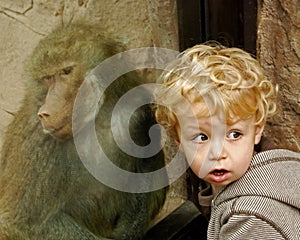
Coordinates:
(47, 78)
(67, 70)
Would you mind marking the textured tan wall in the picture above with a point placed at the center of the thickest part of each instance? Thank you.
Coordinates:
(279, 53)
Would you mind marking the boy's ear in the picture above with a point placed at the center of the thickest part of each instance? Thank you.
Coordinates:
(258, 132)
(178, 144)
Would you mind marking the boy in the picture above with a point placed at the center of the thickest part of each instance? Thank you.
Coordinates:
(214, 101)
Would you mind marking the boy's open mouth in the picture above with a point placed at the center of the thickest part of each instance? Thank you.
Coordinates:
(219, 175)
(218, 172)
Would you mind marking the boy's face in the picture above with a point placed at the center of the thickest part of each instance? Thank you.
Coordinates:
(217, 152)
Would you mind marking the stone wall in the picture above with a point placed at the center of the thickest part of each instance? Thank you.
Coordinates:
(279, 53)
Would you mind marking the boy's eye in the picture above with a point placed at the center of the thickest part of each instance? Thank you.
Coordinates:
(234, 135)
(200, 138)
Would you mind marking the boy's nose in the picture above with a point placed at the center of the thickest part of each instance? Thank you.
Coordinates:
(217, 144)
(217, 151)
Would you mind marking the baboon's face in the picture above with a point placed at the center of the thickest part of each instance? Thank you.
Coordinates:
(56, 112)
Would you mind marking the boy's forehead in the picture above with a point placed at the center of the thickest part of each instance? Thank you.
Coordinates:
(194, 106)
(204, 108)
(200, 113)
(195, 109)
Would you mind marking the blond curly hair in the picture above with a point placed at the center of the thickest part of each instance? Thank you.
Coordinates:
(230, 78)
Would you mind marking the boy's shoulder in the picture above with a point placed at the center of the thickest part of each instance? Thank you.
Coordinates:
(269, 191)
(273, 174)
(256, 210)
(272, 156)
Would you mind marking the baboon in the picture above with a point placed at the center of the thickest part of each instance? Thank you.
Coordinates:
(45, 190)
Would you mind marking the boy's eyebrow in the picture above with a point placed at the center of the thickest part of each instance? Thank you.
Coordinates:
(192, 125)
(236, 120)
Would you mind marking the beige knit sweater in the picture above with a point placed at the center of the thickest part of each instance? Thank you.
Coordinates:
(263, 204)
